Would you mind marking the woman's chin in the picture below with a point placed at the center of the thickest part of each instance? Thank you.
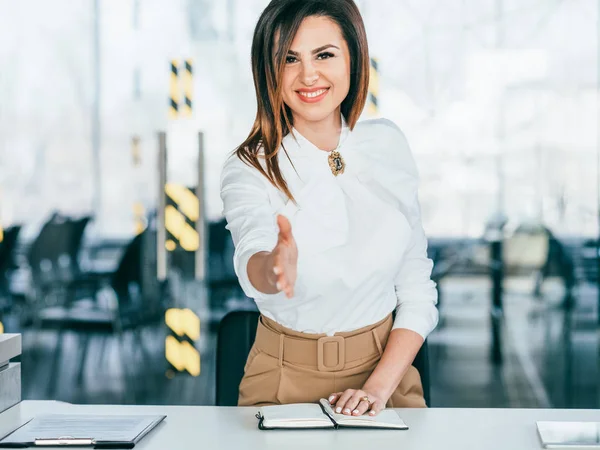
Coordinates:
(313, 114)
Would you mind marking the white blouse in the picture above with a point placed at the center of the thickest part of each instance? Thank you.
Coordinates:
(361, 245)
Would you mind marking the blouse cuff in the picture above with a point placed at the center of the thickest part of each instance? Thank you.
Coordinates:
(420, 318)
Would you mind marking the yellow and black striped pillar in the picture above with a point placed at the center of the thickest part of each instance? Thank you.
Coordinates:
(181, 213)
(139, 213)
(373, 101)
(181, 81)
(180, 350)
(174, 96)
(188, 88)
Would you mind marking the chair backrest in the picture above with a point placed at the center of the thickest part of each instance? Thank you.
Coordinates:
(76, 233)
(137, 267)
(129, 267)
(49, 249)
(7, 253)
(235, 337)
(220, 248)
(7, 247)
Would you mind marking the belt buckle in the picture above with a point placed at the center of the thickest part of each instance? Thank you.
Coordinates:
(341, 353)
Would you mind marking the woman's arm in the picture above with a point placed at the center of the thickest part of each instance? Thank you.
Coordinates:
(416, 312)
(400, 352)
(265, 257)
(250, 219)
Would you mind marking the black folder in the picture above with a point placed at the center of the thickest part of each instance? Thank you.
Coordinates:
(97, 431)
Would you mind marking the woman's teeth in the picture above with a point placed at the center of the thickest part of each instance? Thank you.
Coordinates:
(312, 94)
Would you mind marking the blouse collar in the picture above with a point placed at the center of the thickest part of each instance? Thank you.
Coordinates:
(298, 145)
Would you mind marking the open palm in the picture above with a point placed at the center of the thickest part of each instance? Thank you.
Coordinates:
(285, 257)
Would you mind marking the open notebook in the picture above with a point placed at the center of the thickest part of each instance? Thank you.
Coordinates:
(321, 415)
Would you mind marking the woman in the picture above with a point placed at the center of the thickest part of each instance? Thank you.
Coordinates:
(325, 220)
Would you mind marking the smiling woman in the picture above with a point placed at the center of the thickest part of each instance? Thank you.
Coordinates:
(328, 250)
(299, 49)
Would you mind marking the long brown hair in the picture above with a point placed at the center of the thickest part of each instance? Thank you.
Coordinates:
(274, 120)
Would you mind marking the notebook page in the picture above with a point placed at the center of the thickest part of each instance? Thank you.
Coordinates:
(294, 415)
(387, 418)
(98, 427)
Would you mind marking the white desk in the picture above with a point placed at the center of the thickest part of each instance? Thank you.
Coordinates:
(210, 427)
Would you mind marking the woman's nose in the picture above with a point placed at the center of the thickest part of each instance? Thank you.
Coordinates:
(309, 73)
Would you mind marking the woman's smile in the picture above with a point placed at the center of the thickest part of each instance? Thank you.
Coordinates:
(312, 95)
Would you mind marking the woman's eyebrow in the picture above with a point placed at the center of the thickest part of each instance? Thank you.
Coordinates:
(316, 50)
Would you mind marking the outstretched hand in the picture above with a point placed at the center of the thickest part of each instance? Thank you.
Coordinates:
(285, 258)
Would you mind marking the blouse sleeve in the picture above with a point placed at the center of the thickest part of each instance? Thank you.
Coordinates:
(415, 291)
(250, 218)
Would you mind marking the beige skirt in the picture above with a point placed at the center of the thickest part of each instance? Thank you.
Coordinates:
(286, 366)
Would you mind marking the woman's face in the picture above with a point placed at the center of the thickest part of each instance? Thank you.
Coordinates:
(317, 70)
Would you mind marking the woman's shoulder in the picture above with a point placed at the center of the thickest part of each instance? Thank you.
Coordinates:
(234, 169)
(381, 124)
(387, 143)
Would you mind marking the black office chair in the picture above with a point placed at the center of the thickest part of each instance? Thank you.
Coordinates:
(8, 264)
(235, 337)
(132, 311)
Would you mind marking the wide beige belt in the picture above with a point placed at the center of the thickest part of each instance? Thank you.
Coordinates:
(328, 353)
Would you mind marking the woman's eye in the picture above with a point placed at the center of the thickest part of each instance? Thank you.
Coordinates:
(325, 55)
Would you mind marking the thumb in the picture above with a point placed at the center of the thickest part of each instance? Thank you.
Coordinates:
(285, 228)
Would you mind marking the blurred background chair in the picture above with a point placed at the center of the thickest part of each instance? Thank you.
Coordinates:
(53, 260)
(225, 293)
(123, 303)
(533, 248)
(7, 265)
(236, 335)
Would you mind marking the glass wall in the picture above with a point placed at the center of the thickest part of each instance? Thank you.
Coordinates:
(498, 100)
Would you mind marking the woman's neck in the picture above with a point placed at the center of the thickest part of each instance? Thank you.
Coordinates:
(324, 134)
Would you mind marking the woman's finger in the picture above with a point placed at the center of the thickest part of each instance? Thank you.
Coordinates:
(333, 397)
(281, 282)
(361, 408)
(376, 408)
(354, 402)
(340, 406)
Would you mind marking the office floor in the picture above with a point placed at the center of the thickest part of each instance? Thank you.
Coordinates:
(549, 358)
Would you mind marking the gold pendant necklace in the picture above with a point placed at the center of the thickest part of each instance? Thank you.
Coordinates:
(336, 162)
